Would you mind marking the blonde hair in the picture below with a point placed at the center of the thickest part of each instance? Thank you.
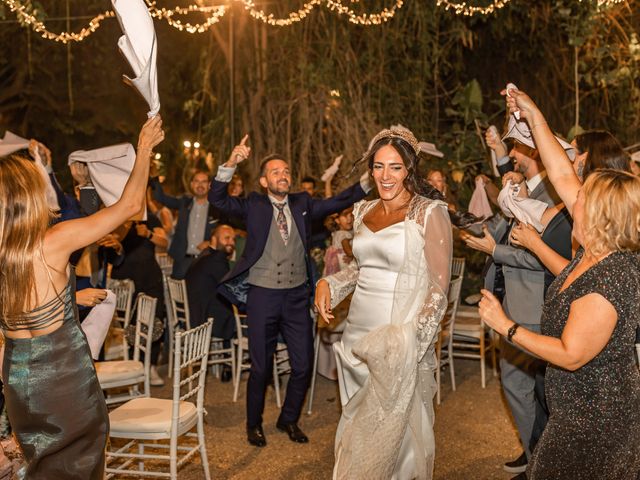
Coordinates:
(611, 211)
(24, 218)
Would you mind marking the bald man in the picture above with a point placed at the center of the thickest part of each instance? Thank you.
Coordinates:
(203, 277)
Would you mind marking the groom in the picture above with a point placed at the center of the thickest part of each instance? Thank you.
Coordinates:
(272, 279)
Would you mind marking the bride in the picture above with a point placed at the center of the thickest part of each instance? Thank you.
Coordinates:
(386, 359)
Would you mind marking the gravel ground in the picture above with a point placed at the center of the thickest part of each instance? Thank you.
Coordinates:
(474, 433)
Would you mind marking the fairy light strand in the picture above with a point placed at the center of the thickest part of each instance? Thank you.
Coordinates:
(213, 15)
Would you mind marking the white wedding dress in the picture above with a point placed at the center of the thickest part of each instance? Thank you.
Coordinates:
(386, 355)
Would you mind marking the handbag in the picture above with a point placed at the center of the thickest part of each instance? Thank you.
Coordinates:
(156, 334)
(158, 330)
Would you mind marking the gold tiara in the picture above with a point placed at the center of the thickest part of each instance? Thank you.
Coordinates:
(403, 133)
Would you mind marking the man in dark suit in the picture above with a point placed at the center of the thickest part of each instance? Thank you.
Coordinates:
(272, 279)
(196, 221)
(203, 277)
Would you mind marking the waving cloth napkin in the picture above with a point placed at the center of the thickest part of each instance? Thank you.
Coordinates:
(109, 169)
(524, 209)
(139, 46)
(519, 130)
(479, 204)
(11, 143)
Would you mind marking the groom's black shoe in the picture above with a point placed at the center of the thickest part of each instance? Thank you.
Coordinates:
(255, 436)
(294, 432)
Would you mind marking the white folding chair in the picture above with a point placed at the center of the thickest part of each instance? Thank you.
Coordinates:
(115, 345)
(131, 373)
(457, 267)
(180, 320)
(219, 355)
(473, 339)
(165, 262)
(320, 334)
(145, 420)
(243, 362)
(444, 349)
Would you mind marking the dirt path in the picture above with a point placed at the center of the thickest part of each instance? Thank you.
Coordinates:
(474, 434)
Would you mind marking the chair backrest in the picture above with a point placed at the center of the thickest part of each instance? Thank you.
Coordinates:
(457, 267)
(123, 290)
(179, 304)
(165, 262)
(145, 316)
(453, 299)
(241, 324)
(190, 352)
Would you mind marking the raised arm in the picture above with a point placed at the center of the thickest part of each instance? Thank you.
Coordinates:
(321, 208)
(160, 196)
(66, 237)
(555, 159)
(218, 194)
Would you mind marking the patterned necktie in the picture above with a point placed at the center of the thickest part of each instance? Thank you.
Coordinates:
(281, 220)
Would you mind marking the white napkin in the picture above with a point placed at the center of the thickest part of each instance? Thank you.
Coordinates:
(109, 169)
(11, 143)
(139, 46)
(524, 209)
(96, 325)
(431, 149)
(519, 130)
(332, 170)
(479, 204)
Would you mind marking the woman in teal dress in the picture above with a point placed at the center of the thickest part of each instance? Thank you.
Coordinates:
(54, 402)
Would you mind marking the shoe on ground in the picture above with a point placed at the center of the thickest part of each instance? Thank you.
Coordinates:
(519, 465)
(294, 432)
(155, 380)
(255, 436)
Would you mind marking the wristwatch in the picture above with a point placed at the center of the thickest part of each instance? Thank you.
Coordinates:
(512, 331)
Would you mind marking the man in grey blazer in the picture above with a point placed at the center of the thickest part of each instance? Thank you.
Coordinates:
(523, 296)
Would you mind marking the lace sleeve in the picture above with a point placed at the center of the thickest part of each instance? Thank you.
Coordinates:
(438, 247)
(344, 282)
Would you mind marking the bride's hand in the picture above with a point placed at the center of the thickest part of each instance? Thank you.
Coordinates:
(323, 301)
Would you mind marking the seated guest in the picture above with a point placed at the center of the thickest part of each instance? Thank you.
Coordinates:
(203, 277)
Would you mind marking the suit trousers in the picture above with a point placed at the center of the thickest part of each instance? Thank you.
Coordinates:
(518, 375)
(271, 312)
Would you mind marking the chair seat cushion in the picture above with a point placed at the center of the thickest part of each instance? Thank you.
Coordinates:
(150, 415)
(118, 370)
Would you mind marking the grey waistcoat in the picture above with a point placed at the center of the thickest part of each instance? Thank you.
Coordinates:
(280, 266)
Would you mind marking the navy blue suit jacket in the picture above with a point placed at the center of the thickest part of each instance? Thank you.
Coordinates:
(183, 204)
(257, 212)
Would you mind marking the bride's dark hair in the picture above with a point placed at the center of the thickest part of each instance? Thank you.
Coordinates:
(415, 183)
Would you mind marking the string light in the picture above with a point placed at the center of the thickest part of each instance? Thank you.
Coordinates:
(366, 18)
(463, 8)
(30, 20)
(214, 14)
(270, 19)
